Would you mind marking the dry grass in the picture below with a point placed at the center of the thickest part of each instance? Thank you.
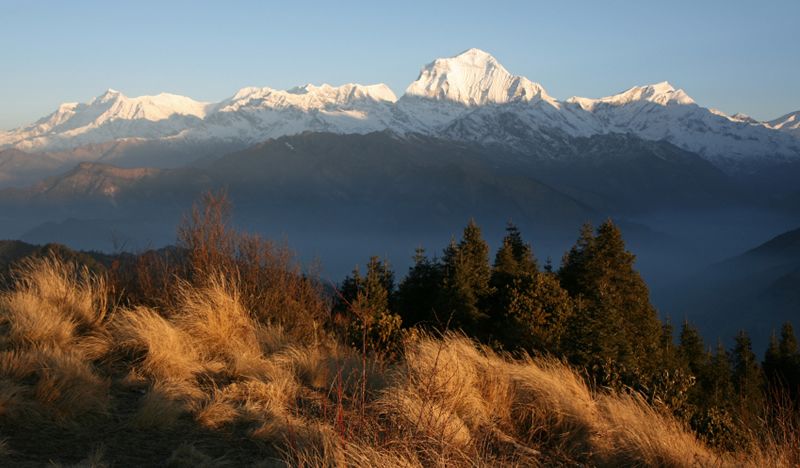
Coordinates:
(53, 331)
(208, 369)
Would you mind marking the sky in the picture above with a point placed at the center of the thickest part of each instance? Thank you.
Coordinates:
(736, 56)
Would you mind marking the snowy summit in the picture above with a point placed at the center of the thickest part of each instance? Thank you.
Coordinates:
(473, 78)
(468, 97)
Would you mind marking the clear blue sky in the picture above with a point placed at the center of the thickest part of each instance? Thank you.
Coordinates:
(738, 56)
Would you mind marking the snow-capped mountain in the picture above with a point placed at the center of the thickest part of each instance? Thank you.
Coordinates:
(661, 112)
(470, 97)
(108, 117)
(789, 123)
(474, 78)
(256, 114)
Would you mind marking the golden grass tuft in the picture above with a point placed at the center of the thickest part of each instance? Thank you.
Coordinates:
(161, 350)
(53, 330)
(220, 327)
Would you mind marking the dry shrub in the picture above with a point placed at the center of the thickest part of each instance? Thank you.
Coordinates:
(52, 329)
(220, 327)
(367, 456)
(451, 402)
(271, 282)
(161, 350)
(552, 405)
(164, 402)
(53, 303)
(305, 443)
(777, 441)
(437, 400)
(633, 433)
(251, 401)
(207, 358)
(67, 386)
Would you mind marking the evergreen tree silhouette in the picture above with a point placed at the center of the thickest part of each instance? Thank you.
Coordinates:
(466, 280)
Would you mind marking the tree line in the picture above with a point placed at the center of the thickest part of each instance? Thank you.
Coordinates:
(594, 312)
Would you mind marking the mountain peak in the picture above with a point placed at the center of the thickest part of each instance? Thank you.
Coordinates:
(473, 78)
(662, 93)
(109, 95)
(789, 123)
(742, 117)
(307, 97)
(475, 56)
(347, 92)
(791, 119)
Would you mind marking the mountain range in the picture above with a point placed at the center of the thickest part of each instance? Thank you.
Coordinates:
(468, 98)
(351, 171)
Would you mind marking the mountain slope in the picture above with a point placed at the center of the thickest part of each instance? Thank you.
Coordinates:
(21, 168)
(364, 188)
(757, 290)
(789, 123)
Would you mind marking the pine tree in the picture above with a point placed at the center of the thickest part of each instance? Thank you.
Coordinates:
(515, 256)
(419, 294)
(692, 350)
(716, 381)
(669, 352)
(466, 280)
(747, 377)
(716, 417)
(782, 364)
(365, 300)
(772, 362)
(516, 312)
(788, 344)
(536, 312)
(573, 264)
(790, 361)
(614, 321)
(588, 339)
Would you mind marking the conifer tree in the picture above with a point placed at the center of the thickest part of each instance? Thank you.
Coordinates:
(365, 300)
(788, 343)
(466, 280)
(772, 362)
(669, 352)
(790, 361)
(515, 256)
(536, 312)
(588, 334)
(419, 294)
(692, 350)
(782, 364)
(717, 380)
(614, 321)
(747, 377)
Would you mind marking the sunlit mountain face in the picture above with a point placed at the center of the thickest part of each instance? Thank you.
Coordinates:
(467, 98)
